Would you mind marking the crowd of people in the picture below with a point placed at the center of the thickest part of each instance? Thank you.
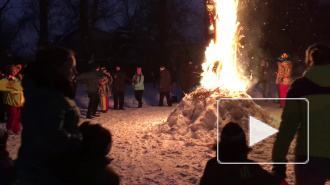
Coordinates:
(282, 78)
(55, 149)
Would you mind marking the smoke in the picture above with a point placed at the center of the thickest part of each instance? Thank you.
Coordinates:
(252, 15)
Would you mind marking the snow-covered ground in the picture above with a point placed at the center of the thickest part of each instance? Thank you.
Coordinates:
(143, 153)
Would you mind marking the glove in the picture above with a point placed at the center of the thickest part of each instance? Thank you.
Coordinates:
(279, 171)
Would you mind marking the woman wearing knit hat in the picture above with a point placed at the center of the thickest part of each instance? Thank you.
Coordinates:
(138, 85)
(233, 148)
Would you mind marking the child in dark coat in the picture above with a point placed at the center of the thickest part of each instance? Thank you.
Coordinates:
(94, 167)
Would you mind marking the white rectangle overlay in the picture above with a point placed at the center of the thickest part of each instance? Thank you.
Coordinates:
(218, 134)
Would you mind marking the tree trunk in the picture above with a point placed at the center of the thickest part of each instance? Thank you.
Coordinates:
(43, 18)
(95, 11)
(84, 30)
(163, 31)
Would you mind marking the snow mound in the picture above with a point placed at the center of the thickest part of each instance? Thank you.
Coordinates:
(194, 120)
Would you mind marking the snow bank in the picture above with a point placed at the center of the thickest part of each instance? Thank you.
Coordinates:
(194, 120)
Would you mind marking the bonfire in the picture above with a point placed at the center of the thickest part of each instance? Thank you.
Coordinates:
(196, 117)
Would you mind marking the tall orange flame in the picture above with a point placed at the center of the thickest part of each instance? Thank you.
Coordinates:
(220, 57)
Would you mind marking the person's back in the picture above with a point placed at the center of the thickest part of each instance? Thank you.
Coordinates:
(165, 81)
(216, 173)
(93, 166)
(91, 80)
(312, 127)
(233, 148)
(119, 80)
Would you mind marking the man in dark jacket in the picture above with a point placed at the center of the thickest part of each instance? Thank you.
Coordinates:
(186, 79)
(313, 140)
(118, 88)
(264, 79)
(164, 86)
(92, 80)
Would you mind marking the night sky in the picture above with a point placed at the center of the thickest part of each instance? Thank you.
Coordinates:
(270, 26)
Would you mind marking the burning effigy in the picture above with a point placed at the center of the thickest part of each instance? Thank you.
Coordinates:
(197, 114)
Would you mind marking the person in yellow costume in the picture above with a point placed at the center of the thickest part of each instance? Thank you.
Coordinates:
(13, 99)
(284, 76)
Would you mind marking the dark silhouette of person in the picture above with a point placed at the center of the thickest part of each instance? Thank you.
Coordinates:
(196, 75)
(94, 164)
(264, 79)
(233, 148)
(91, 79)
(138, 85)
(7, 169)
(118, 87)
(2, 106)
(50, 137)
(164, 87)
(185, 78)
(314, 85)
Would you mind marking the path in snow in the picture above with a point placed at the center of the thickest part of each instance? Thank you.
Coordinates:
(142, 155)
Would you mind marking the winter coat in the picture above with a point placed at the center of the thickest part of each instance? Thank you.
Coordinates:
(95, 170)
(13, 92)
(138, 81)
(264, 77)
(165, 81)
(119, 79)
(185, 80)
(104, 89)
(216, 173)
(91, 79)
(284, 73)
(315, 86)
(7, 170)
(50, 135)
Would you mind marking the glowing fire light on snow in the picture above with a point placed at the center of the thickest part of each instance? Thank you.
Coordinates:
(220, 70)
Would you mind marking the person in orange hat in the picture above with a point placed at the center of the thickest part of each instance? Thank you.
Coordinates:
(14, 100)
(284, 76)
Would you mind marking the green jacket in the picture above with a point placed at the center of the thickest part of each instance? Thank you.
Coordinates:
(13, 92)
(315, 86)
(91, 79)
(138, 83)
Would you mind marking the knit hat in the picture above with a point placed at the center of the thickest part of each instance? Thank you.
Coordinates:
(138, 70)
(232, 146)
(96, 139)
(284, 56)
(232, 133)
(17, 68)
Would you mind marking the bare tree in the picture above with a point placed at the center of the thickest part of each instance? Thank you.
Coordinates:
(8, 29)
(43, 18)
